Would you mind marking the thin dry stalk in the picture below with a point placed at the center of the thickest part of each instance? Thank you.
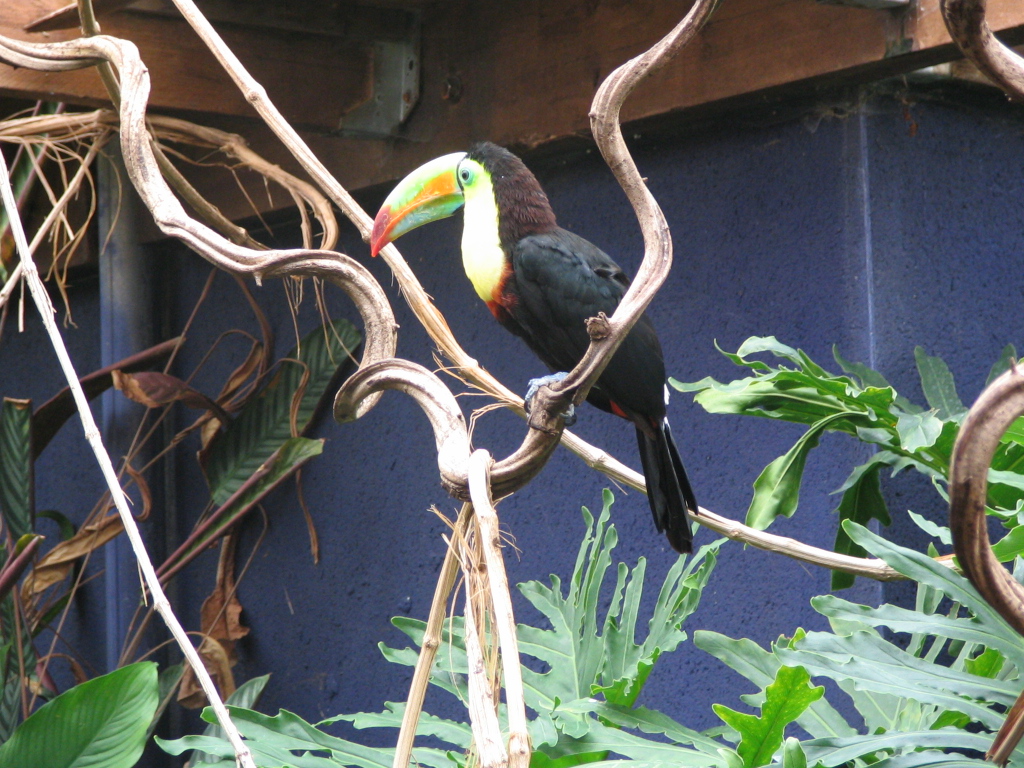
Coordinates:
(56, 211)
(483, 715)
(431, 642)
(92, 436)
(501, 600)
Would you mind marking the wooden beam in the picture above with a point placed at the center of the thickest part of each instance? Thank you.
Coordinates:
(524, 73)
(293, 67)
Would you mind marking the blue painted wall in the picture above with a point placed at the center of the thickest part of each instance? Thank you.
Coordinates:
(889, 227)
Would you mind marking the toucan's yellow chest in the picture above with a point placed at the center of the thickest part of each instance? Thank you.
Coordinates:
(483, 258)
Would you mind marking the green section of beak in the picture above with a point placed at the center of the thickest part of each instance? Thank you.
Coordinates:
(429, 193)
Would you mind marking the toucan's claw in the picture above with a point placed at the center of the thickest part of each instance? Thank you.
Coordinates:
(535, 384)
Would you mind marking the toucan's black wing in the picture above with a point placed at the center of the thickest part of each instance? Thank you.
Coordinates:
(559, 280)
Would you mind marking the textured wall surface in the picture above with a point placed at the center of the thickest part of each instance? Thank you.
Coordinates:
(874, 232)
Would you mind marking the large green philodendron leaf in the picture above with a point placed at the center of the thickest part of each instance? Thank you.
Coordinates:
(570, 725)
(265, 423)
(907, 698)
(273, 741)
(785, 700)
(761, 667)
(16, 485)
(835, 752)
(583, 662)
(101, 723)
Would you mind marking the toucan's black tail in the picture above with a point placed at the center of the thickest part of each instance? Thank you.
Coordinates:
(668, 490)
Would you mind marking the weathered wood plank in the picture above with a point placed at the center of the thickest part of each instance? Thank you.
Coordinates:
(186, 76)
(527, 71)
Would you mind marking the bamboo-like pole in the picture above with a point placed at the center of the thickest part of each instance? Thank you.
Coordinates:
(504, 620)
(431, 642)
(92, 435)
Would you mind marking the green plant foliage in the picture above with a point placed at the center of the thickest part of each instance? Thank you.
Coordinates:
(246, 695)
(583, 704)
(929, 686)
(784, 701)
(101, 723)
(290, 399)
(16, 483)
(911, 702)
(861, 403)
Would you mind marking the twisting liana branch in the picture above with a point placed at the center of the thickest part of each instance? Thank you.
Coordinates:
(998, 406)
(465, 365)
(92, 435)
(965, 20)
(607, 333)
(380, 328)
(996, 409)
(170, 216)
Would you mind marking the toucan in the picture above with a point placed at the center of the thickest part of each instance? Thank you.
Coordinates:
(542, 283)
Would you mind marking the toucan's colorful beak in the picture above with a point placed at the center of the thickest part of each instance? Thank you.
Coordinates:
(429, 193)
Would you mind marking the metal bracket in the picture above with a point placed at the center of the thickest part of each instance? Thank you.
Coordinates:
(874, 5)
(396, 89)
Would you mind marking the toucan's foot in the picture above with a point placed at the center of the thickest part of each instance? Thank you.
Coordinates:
(554, 378)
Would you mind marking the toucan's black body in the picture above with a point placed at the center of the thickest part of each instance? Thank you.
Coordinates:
(542, 284)
(559, 280)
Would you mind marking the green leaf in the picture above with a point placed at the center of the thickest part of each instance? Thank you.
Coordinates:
(777, 488)
(264, 424)
(276, 738)
(10, 684)
(939, 387)
(1002, 365)
(756, 345)
(989, 663)
(917, 622)
(16, 481)
(869, 377)
(934, 530)
(918, 430)
(793, 754)
(862, 502)
(871, 664)
(98, 724)
(785, 700)
(581, 661)
(925, 570)
(450, 731)
(761, 667)
(67, 528)
(246, 695)
(628, 663)
(1010, 546)
(295, 452)
(836, 752)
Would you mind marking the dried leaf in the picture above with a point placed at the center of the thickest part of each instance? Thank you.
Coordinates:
(221, 625)
(314, 538)
(254, 361)
(154, 390)
(52, 414)
(56, 564)
(215, 659)
(144, 491)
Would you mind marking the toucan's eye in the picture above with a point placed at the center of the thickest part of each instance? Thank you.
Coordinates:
(465, 175)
